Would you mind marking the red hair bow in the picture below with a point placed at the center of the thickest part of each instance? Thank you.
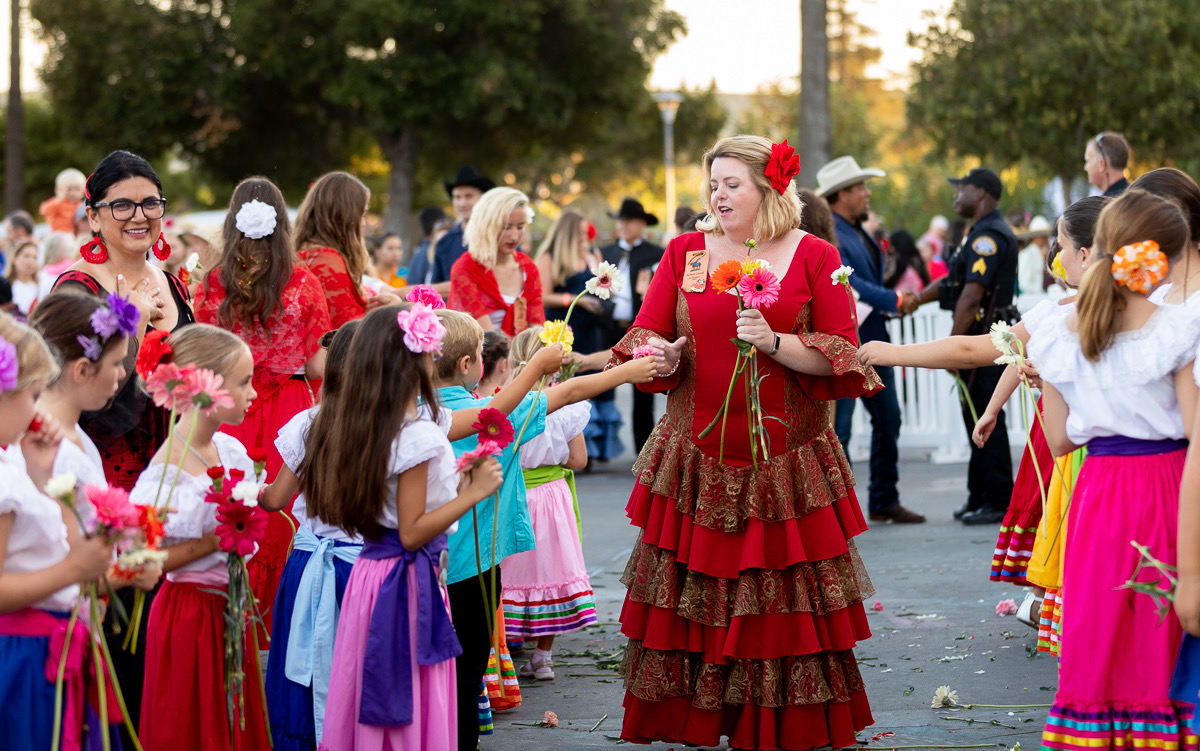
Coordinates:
(782, 166)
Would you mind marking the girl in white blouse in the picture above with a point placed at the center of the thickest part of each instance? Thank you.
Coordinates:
(41, 571)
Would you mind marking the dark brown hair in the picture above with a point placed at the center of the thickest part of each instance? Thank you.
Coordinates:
(495, 349)
(1134, 217)
(1178, 186)
(345, 469)
(817, 218)
(1079, 223)
(254, 272)
(331, 217)
(66, 315)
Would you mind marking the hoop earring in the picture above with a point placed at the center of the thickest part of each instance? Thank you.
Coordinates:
(162, 249)
(93, 251)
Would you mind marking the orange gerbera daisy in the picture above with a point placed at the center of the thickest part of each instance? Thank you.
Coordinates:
(726, 276)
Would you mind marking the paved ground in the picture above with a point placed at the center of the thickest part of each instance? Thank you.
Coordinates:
(938, 627)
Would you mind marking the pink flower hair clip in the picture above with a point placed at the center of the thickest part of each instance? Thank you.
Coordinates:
(423, 331)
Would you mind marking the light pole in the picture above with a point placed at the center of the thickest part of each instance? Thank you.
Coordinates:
(668, 105)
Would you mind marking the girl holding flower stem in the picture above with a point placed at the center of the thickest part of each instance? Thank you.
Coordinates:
(186, 630)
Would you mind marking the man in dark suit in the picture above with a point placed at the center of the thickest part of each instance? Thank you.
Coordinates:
(843, 184)
(634, 258)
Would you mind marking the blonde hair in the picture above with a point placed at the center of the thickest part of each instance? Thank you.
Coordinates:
(562, 243)
(35, 362)
(463, 337)
(67, 178)
(206, 346)
(524, 346)
(487, 222)
(1134, 217)
(777, 214)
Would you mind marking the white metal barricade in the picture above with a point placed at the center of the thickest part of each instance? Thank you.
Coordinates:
(929, 404)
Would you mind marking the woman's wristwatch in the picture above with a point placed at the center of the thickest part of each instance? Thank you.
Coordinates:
(775, 348)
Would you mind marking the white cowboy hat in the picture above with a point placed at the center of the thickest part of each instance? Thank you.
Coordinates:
(842, 173)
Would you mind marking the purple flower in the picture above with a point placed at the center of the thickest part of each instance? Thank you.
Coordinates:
(9, 367)
(91, 347)
(120, 315)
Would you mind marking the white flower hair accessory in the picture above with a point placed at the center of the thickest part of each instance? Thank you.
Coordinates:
(255, 219)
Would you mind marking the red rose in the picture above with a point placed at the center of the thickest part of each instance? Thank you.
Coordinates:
(782, 166)
(153, 351)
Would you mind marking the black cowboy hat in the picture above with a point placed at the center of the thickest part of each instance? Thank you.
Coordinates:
(633, 209)
(469, 176)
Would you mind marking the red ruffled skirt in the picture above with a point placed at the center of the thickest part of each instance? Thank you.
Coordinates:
(1014, 544)
(744, 599)
(183, 703)
(259, 430)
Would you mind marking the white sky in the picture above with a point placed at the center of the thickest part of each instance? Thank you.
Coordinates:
(743, 44)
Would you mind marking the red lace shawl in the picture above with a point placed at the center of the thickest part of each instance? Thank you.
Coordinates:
(474, 290)
(343, 295)
(295, 330)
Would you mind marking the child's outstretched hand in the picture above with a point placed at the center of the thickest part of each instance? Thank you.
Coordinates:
(485, 479)
(548, 360)
(641, 370)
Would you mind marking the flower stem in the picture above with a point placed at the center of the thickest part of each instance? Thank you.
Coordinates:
(112, 671)
(1006, 706)
(58, 681)
(256, 617)
(966, 395)
(187, 445)
(170, 446)
(101, 691)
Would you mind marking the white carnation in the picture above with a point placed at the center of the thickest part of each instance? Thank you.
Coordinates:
(140, 557)
(246, 491)
(192, 262)
(841, 275)
(255, 219)
(61, 485)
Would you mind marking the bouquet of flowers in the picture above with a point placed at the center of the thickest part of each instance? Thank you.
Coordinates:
(753, 285)
(241, 526)
(115, 520)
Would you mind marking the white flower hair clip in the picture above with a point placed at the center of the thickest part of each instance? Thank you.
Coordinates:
(255, 219)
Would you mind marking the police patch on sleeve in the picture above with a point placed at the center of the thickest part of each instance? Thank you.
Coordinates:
(984, 246)
(980, 266)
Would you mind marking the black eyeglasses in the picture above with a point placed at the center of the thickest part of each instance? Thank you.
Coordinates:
(123, 209)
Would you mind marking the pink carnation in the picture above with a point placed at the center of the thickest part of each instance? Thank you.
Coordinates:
(426, 295)
(760, 288)
(645, 351)
(473, 458)
(423, 332)
(114, 512)
(877, 606)
(1006, 607)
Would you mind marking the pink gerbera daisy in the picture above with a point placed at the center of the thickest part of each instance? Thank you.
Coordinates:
(475, 456)
(759, 288)
(114, 512)
(206, 391)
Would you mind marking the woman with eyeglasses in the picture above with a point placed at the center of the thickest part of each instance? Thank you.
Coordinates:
(125, 207)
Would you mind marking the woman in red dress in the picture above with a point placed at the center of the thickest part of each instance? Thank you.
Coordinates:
(276, 306)
(745, 589)
(493, 280)
(329, 240)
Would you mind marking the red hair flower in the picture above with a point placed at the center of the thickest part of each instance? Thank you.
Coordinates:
(493, 424)
(153, 352)
(782, 167)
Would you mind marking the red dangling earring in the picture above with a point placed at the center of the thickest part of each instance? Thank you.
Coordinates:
(93, 251)
(162, 249)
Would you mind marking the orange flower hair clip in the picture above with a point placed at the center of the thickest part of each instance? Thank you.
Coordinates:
(1139, 266)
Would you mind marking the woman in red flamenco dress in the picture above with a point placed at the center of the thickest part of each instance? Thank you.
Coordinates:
(273, 303)
(745, 590)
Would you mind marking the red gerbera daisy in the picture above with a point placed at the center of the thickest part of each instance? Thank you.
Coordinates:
(493, 424)
(240, 527)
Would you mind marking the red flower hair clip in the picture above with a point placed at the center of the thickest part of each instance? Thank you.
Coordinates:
(153, 352)
(782, 167)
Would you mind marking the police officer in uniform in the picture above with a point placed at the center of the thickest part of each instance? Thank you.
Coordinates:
(979, 289)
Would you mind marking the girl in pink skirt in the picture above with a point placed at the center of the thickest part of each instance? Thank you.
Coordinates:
(393, 479)
(546, 590)
(1117, 378)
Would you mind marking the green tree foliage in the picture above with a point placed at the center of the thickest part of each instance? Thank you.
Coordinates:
(51, 145)
(1004, 80)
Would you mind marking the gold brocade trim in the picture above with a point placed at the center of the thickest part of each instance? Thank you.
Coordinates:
(654, 577)
(652, 675)
(721, 497)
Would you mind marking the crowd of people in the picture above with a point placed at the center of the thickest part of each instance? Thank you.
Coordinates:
(412, 524)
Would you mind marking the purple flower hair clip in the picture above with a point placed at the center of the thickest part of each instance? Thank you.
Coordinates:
(119, 315)
(9, 367)
(91, 347)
